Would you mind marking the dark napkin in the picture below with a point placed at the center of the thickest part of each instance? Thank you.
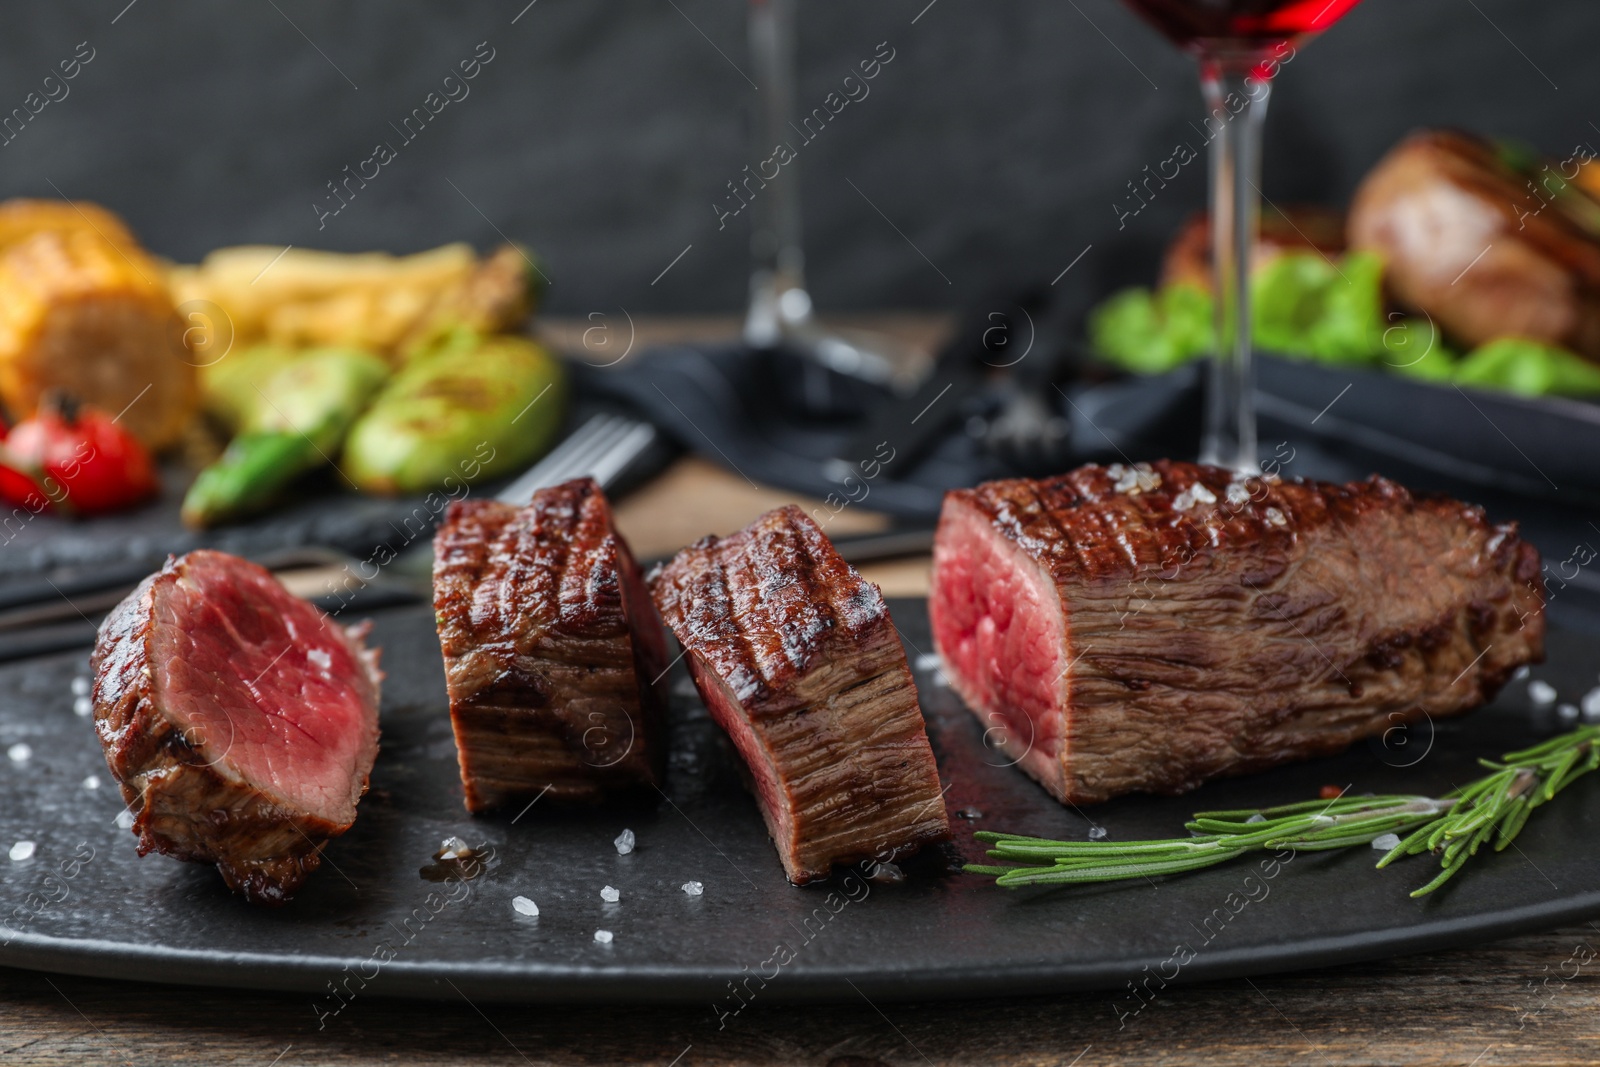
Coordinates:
(777, 420)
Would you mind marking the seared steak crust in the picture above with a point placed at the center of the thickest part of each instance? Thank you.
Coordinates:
(1149, 628)
(552, 652)
(194, 788)
(798, 660)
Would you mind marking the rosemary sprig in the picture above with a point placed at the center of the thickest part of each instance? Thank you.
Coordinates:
(1452, 827)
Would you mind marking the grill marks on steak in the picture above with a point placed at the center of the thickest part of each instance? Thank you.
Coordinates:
(241, 722)
(552, 650)
(798, 660)
(1150, 628)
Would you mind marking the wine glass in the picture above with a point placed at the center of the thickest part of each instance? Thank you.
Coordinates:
(780, 311)
(1240, 45)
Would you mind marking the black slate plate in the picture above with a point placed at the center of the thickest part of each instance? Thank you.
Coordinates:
(369, 924)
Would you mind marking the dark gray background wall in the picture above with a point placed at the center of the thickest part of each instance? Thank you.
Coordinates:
(997, 140)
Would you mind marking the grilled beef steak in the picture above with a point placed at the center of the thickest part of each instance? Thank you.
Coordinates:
(1147, 628)
(552, 651)
(797, 659)
(1484, 250)
(240, 721)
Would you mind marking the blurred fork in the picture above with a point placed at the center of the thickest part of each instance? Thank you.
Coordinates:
(602, 449)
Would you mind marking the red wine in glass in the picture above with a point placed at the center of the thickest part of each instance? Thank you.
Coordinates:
(1194, 23)
(1241, 44)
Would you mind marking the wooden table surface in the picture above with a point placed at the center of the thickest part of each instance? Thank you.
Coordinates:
(1529, 1000)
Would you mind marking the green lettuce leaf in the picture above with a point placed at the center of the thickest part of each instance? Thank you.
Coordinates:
(1528, 368)
(1306, 305)
(1150, 333)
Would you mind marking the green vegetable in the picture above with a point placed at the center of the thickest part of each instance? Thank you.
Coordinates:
(1149, 333)
(1412, 348)
(466, 409)
(1528, 368)
(289, 422)
(1306, 305)
(230, 385)
(1452, 828)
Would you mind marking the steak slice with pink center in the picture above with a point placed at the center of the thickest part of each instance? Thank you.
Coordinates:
(798, 660)
(241, 722)
(553, 653)
(1147, 628)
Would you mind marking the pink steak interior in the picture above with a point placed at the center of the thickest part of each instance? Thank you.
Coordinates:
(266, 688)
(999, 626)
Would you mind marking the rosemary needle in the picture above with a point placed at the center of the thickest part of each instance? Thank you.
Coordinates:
(1452, 827)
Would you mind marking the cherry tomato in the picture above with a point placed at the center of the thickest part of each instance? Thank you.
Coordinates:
(75, 458)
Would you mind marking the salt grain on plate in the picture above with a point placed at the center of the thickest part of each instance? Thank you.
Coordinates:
(83, 707)
(694, 889)
(929, 661)
(524, 906)
(1385, 842)
(1097, 833)
(625, 842)
(22, 850)
(1520, 673)
(452, 848)
(1541, 692)
(21, 752)
(80, 686)
(603, 936)
(610, 895)
(125, 820)
(91, 782)
(1590, 705)
(1568, 713)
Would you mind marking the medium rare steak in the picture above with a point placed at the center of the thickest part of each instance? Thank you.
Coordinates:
(240, 721)
(797, 659)
(552, 650)
(1147, 628)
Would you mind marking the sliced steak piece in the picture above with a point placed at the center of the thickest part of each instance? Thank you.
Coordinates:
(797, 659)
(240, 721)
(552, 650)
(1144, 629)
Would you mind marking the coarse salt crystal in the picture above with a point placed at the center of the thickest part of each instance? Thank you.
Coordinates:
(92, 782)
(80, 686)
(524, 906)
(1097, 833)
(1195, 494)
(1275, 517)
(929, 661)
(1520, 673)
(22, 850)
(1541, 692)
(1590, 705)
(1568, 713)
(1322, 820)
(693, 889)
(625, 842)
(125, 819)
(1385, 842)
(83, 707)
(603, 936)
(1237, 494)
(1139, 478)
(452, 848)
(21, 752)
(1257, 817)
(610, 895)
(318, 658)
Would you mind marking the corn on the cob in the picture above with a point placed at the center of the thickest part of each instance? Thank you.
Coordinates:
(83, 312)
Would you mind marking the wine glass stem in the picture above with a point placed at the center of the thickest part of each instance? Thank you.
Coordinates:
(778, 295)
(1237, 105)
